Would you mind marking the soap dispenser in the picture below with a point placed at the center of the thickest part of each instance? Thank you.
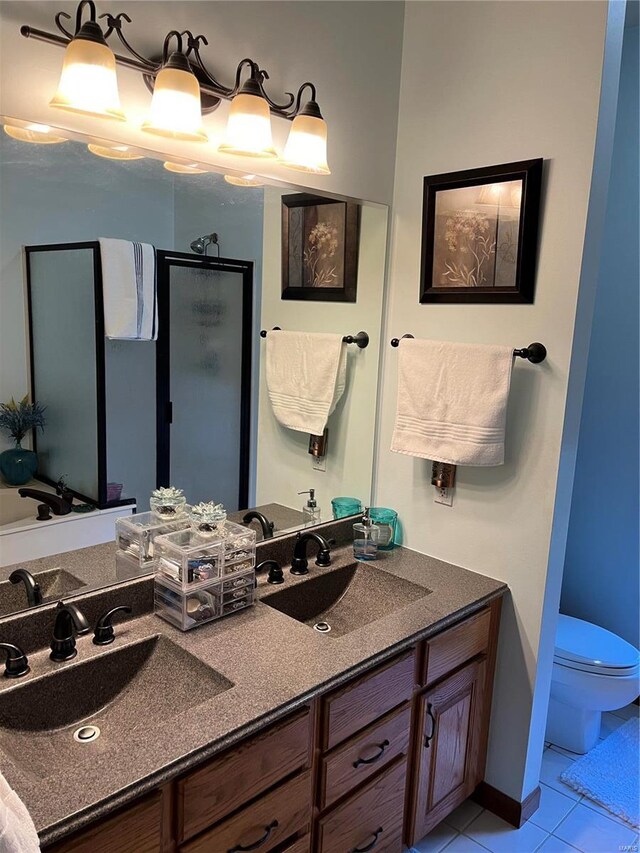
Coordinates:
(365, 538)
(311, 510)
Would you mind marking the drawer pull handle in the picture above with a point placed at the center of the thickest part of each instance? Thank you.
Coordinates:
(239, 848)
(382, 746)
(376, 837)
(429, 737)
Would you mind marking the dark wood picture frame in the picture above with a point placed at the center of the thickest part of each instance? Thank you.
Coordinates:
(346, 291)
(527, 171)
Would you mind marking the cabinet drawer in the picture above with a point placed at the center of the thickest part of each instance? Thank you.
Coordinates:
(302, 845)
(371, 819)
(456, 646)
(359, 758)
(365, 699)
(226, 783)
(264, 824)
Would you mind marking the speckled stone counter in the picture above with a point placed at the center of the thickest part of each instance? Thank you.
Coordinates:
(274, 663)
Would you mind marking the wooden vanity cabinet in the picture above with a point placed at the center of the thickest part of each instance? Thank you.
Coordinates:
(371, 765)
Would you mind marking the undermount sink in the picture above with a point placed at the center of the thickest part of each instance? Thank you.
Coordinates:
(54, 583)
(126, 693)
(345, 599)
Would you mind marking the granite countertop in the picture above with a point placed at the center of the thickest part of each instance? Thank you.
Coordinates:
(274, 663)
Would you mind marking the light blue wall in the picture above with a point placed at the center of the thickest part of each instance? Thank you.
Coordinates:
(601, 575)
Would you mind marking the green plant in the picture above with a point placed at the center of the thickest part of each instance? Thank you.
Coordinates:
(18, 418)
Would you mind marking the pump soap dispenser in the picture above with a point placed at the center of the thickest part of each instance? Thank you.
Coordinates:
(311, 510)
(365, 538)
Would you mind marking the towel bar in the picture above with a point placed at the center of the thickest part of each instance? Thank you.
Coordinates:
(361, 339)
(535, 352)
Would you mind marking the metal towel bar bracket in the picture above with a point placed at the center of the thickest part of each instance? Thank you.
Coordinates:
(535, 352)
(361, 340)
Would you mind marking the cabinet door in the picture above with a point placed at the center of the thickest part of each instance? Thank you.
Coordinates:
(448, 746)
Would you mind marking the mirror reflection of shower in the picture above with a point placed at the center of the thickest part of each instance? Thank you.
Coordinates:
(201, 244)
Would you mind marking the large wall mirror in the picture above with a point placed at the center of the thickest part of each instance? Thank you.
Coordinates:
(189, 409)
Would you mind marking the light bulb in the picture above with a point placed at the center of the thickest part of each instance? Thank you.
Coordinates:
(175, 107)
(249, 124)
(306, 148)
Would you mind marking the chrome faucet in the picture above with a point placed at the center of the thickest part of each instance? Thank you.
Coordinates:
(70, 622)
(300, 563)
(265, 524)
(34, 593)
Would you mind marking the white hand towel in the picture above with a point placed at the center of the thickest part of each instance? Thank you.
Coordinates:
(306, 376)
(17, 831)
(452, 401)
(129, 290)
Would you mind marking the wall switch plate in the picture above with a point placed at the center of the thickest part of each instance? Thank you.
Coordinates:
(319, 463)
(444, 496)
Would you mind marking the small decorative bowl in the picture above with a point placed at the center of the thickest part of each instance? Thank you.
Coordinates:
(168, 503)
(208, 520)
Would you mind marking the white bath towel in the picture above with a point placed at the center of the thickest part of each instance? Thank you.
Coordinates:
(306, 375)
(129, 290)
(452, 401)
(17, 831)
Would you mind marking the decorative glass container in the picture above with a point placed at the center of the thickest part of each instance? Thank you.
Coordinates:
(168, 503)
(208, 520)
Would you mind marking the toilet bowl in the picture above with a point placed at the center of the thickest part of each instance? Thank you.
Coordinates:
(594, 670)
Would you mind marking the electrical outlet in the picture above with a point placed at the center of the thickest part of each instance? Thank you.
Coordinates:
(319, 463)
(444, 496)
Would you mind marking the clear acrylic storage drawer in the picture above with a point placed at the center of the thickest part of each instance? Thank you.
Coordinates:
(187, 609)
(136, 535)
(191, 559)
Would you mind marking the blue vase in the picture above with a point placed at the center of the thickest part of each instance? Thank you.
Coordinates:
(18, 466)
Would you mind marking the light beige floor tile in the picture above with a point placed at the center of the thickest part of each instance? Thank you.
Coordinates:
(554, 807)
(553, 764)
(591, 804)
(591, 832)
(500, 837)
(463, 844)
(627, 712)
(436, 840)
(555, 845)
(461, 817)
(609, 724)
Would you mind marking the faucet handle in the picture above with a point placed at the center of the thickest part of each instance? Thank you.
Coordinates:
(104, 633)
(275, 571)
(17, 664)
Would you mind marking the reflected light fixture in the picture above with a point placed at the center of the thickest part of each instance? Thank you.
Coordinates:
(507, 193)
(182, 169)
(114, 152)
(306, 148)
(88, 82)
(176, 110)
(244, 180)
(38, 134)
(249, 124)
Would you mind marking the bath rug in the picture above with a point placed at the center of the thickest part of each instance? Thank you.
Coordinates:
(608, 774)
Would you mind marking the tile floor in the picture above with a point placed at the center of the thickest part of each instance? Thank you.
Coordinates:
(564, 823)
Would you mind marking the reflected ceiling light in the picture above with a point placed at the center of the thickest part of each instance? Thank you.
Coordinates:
(88, 82)
(114, 152)
(249, 124)
(244, 180)
(176, 110)
(181, 169)
(39, 134)
(507, 193)
(306, 148)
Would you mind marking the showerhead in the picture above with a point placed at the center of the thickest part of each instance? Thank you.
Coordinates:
(199, 245)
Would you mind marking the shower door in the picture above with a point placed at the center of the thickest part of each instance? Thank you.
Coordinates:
(203, 373)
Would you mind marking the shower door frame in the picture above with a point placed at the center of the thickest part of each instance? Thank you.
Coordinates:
(164, 408)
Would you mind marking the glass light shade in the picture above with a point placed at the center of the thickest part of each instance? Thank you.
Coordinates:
(181, 169)
(88, 82)
(249, 128)
(114, 152)
(175, 107)
(37, 134)
(244, 180)
(306, 148)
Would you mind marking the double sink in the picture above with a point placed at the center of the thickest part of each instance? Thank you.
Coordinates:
(47, 719)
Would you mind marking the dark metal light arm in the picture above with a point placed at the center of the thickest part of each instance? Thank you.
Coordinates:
(210, 86)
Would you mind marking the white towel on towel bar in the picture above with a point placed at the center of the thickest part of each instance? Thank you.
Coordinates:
(129, 290)
(17, 831)
(452, 401)
(306, 376)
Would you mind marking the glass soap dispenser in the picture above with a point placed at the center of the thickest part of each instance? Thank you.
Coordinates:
(311, 510)
(365, 538)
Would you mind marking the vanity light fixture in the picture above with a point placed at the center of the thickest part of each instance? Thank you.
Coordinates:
(114, 152)
(38, 134)
(184, 169)
(306, 148)
(244, 180)
(175, 106)
(88, 82)
(183, 88)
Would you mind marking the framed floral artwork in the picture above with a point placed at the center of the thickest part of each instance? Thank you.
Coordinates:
(319, 248)
(480, 234)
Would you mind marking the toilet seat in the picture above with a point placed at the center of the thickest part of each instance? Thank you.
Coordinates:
(583, 646)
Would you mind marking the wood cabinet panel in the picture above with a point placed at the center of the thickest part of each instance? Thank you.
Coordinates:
(448, 747)
(263, 825)
(355, 761)
(371, 819)
(226, 783)
(449, 650)
(302, 845)
(366, 698)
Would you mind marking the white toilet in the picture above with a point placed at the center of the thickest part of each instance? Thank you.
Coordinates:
(594, 670)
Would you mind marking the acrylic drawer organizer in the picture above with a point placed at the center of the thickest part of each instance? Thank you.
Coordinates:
(186, 609)
(136, 534)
